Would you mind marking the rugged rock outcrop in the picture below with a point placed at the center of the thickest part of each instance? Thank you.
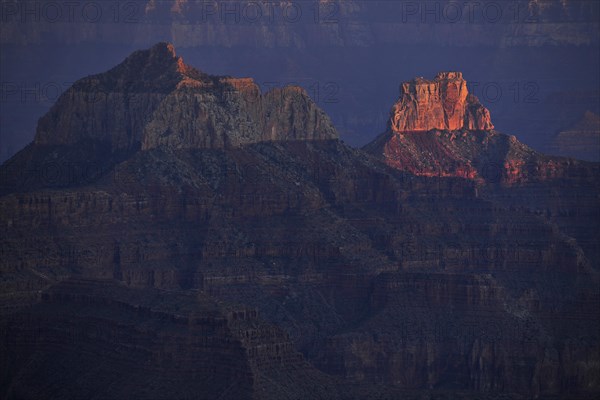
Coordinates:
(437, 128)
(485, 157)
(232, 112)
(342, 253)
(289, 268)
(114, 107)
(154, 98)
(442, 103)
(505, 170)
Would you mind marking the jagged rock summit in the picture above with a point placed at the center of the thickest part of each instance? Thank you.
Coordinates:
(437, 128)
(443, 103)
(154, 99)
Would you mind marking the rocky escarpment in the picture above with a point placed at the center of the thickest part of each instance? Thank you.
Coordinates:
(482, 156)
(442, 103)
(232, 112)
(506, 170)
(264, 256)
(438, 129)
(154, 98)
(328, 245)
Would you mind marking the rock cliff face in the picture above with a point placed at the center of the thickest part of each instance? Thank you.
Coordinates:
(504, 169)
(374, 275)
(443, 103)
(232, 112)
(153, 98)
(422, 316)
(484, 157)
(437, 128)
(245, 259)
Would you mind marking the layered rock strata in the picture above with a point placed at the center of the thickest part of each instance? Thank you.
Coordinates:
(290, 265)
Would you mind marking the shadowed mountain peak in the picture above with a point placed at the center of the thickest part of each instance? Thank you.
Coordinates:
(154, 99)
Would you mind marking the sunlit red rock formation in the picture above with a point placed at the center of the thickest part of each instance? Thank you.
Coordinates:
(443, 103)
(437, 128)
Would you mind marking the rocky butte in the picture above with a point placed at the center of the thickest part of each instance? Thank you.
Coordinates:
(220, 242)
(443, 103)
(437, 128)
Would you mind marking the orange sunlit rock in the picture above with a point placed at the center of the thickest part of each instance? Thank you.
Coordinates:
(442, 103)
